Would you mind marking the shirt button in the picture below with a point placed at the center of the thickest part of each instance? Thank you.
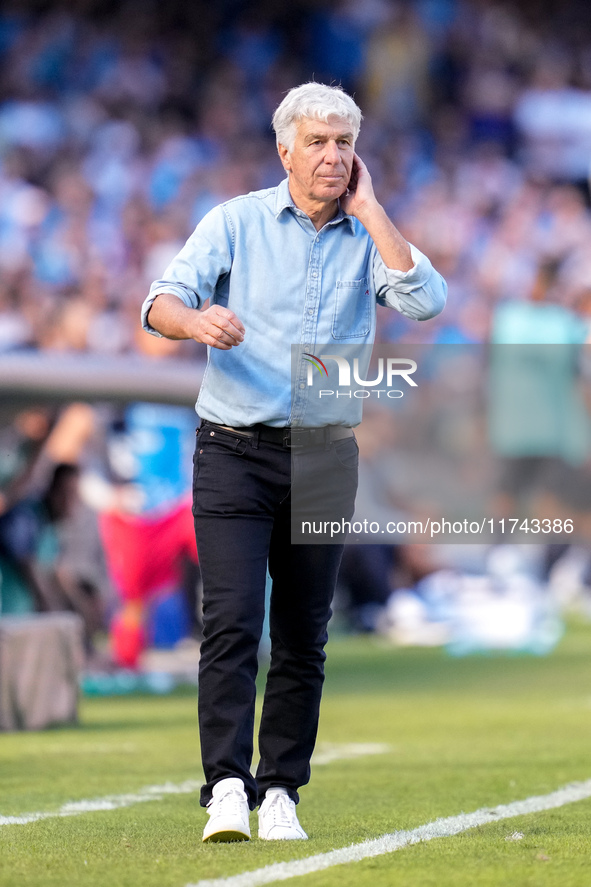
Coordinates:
(314, 273)
(302, 385)
(310, 311)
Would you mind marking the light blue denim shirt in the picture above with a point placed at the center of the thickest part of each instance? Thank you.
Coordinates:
(289, 284)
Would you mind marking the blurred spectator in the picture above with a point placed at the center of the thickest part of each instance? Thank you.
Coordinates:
(21, 443)
(396, 73)
(146, 528)
(554, 119)
(35, 575)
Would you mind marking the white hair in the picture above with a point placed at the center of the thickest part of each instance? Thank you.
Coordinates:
(318, 102)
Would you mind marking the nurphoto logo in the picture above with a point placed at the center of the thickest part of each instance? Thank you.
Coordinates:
(390, 371)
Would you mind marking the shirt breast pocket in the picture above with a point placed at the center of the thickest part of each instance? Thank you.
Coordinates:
(352, 313)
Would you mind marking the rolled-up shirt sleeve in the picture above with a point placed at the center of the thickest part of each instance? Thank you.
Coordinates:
(419, 293)
(194, 273)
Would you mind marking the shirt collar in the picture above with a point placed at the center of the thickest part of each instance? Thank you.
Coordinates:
(283, 201)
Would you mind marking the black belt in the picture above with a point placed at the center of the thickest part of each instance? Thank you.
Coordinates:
(287, 437)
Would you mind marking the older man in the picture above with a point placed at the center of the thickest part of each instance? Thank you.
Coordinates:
(302, 263)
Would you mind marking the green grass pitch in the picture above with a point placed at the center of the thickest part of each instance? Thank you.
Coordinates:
(462, 734)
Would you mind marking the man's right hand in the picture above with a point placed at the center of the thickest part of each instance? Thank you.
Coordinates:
(219, 327)
(215, 326)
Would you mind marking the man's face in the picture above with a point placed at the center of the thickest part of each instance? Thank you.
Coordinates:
(321, 161)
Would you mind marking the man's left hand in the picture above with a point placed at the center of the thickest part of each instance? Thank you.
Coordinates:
(359, 196)
(360, 201)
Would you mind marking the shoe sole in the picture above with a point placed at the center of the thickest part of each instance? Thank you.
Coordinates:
(226, 836)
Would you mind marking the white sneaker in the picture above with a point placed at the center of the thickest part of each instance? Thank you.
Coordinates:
(278, 819)
(228, 812)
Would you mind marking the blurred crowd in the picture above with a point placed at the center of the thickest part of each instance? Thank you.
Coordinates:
(123, 123)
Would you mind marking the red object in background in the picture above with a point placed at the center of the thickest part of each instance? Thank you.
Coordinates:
(128, 635)
(144, 555)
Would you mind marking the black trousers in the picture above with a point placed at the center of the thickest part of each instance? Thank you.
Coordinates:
(242, 511)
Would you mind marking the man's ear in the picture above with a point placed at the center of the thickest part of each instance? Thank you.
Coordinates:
(284, 157)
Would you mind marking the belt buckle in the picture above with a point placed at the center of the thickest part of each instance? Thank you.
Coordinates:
(286, 441)
(298, 437)
(306, 437)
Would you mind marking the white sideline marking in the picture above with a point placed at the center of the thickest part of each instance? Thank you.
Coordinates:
(440, 828)
(325, 755)
(109, 802)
